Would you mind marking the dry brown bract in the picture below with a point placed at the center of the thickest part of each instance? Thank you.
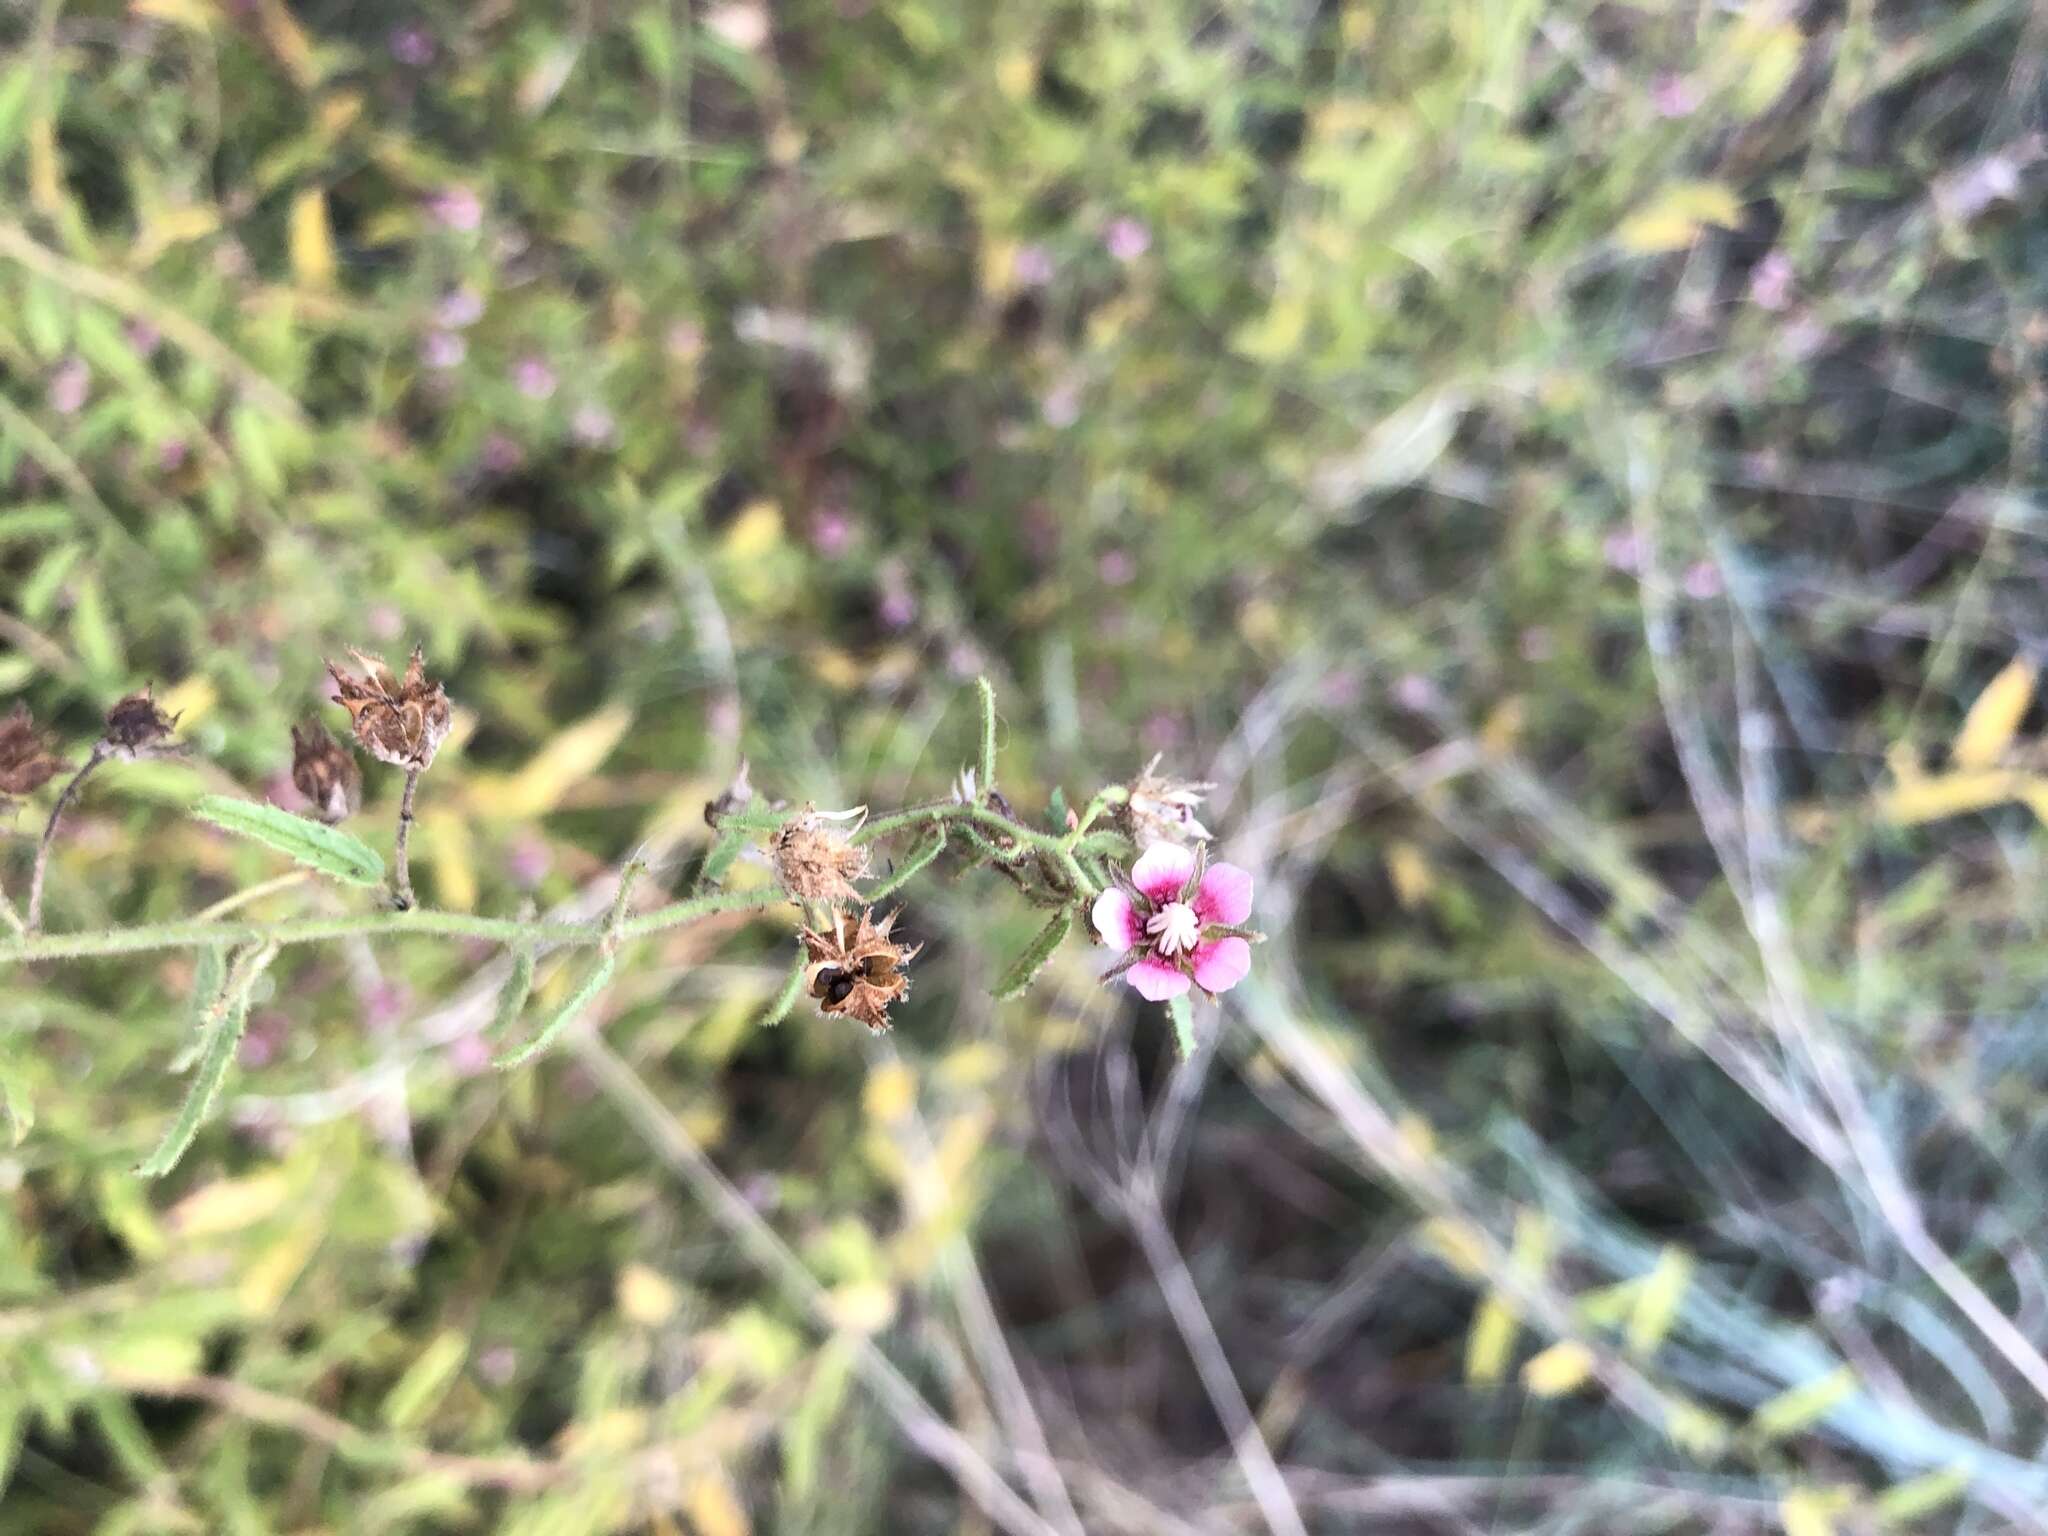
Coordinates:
(26, 762)
(1161, 809)
(137, 728)
(325, 772)
(398, 722)
(857, 976)
(815, 861)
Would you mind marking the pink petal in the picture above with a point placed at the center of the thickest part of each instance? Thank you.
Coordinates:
(1116, 920)
(1221, 964)
(1225, 896)
(1162, 871)
(1156, 981)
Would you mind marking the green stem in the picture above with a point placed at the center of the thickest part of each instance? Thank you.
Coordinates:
(64, 799)
(401, 874)
(988, 733)
(423, 922)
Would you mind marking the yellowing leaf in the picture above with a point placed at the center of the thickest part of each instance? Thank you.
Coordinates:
(1811, 1511)
(311, 241)
(1921, 1496)
(1016, 75)
(862, 1306)
(195, 14)
(150, 1359)
(1994, 719)
(1562, 1368)
(566, 761)
(1794, 1410)
(191, 700)
(1409, 871)
(1948, 794)
(1657, 1302)
(645, 1297)
(889, 1093)
(425, 1381)
(266, 1281)
(1767, 54)
(756, 531)
(1697, 1431)
(1671, 220)
(448, 839)
(1502, 729)
(1490, 1342)
(287, 40)
(1457, 1243)
(714, 1509)
(228, 1205)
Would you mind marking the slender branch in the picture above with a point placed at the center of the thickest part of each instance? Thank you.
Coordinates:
(401, 860)
(64, 799)
(424, 922)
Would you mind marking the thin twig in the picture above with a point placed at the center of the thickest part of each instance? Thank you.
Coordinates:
(401, 860)
(64, 799)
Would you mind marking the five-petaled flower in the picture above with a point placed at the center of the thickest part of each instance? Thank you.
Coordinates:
(1178, 920)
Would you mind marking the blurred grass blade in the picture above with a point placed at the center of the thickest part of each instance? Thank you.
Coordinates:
(787, 994)
(599, 978)
(223, 1033)
(986, 690)
(210, 973)
(1804, 1405)
(424, 1381)
(1182, 1012)
(327, 849)
(14, 1094)
(1026, 966)
(1563, 1368)
(518, 986)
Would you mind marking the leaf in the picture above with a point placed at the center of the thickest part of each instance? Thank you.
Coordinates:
(1809, 1512)
(787, 994)
(512, 1001)
(645, 1296)
(228, 1205)
(1921, 1496)
(1399, 451)
(1490, 1342)
(1934, 796)
(1564, 1367)
(1183, 1015)
(565, 762)
(14, 1096)
(425, 1380)
(728, 847)
(715, 1510)
(1657, 1302)
(311, 240)
(222, 1034)
(327, 849)
(1994, 719)
(1675, 216)
(1033, 960)
(599, 978)
(912, 864)
(1056, 809)
(1794, 1410)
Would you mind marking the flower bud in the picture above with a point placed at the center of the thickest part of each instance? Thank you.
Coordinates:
(137, 728)
(325, 772)
(402, 723)
(26, 762)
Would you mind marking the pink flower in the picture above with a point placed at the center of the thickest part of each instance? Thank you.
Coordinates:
(1127, 239)
(1180, 921)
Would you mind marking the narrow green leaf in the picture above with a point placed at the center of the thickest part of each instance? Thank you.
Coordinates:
(14, 1095)
(512, 1001)
(786, 995)
(1921, 1497)
(1027, 965)
(1794, 1410)
(1183, 1015)
(208, 976)
(599, 978)
(1056, 809)
(327, 849)
(916, 860)
(226, 1017)
(988, 733)
(731, 842)
(425, 1380)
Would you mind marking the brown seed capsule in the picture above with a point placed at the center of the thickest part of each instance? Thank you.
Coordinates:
(137, 728)
(26, 762)
(325, 772)
(1162, 809)
(815, 861)
(398, 722)
(857, 976)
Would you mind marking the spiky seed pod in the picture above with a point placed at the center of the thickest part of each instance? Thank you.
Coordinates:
(326, 772)
(816, 861)
(857, 975)
(26, 761)
(137, 728)
(398, 721)
(1161, 809)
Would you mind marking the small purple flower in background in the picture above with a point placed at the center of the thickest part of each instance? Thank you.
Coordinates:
(1033, 266)
(171, 457)
(412, 46)
(501, 455)
(458, 207)
(1770, 285)
(69, 386)
(1176, 920)
(1061, 406)
(831, 530)
(964, 661)
(593, 426)
(1702, 580)
(468, 1054)
(1126, 239)
(1161, 732)
(898, 607)
(1537, 644)
(534, 378)
(528, 861)
(143, 337)
(497, 1364)
(722, 718)
(460, 308)
(685, 341)
(443, 349)
(1622, 551)
(1674, 96)
(1116, 568)
(1416, 693)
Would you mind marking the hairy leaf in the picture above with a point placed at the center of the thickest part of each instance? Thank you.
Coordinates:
(327, 849)
(599, 978)
(1033, 960)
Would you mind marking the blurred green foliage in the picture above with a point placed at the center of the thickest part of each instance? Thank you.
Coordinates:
(1557, 467)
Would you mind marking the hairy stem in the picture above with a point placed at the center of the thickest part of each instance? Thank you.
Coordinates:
(401, 855)
(64, 799)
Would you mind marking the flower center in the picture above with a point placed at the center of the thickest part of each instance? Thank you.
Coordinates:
(1173, 928)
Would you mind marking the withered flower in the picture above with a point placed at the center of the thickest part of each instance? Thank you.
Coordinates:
(860, 975)
(26, 761)
(1162, 809)
(815, 861)
(137, 728)
(326, 772)
(401, 722)
(736, 796)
